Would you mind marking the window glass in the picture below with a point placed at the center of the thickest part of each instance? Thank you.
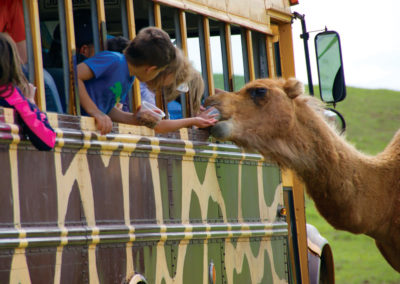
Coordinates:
(55, 74)
(216, 54)
(260, 55)
(237, 58)
(193, 40)
(169, 23)
(144, 14)
(278, 68)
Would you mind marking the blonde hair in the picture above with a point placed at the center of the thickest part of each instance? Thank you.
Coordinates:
(183, 71)
(10, 65)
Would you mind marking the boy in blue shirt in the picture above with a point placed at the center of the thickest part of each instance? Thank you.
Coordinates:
(105, 79)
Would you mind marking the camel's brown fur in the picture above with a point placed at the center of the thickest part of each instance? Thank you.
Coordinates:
(353, 191)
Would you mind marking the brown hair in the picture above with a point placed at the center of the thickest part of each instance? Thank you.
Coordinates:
(117, 44)
(183, 72)
(10, 65)
(151, 46)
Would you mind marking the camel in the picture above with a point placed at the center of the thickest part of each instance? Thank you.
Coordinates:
(351, 190)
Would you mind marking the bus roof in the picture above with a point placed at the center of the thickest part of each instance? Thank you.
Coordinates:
(253, 14)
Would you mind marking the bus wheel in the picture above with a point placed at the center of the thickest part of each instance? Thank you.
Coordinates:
(135, 279)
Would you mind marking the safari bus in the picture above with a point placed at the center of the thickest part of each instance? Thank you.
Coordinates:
(134, 206)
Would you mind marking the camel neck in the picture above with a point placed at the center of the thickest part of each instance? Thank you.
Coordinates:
(339, 177)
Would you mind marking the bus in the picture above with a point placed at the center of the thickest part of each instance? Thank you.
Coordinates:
(133, 206)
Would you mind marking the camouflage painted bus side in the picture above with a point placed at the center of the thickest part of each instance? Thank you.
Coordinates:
(99, 208)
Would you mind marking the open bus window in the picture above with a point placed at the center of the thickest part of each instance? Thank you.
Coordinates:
(196, 47)
(114, 17)
(144, 14)
(193, 41)
(239, 67)
(216, 55)
(260, 55)
(194, 52)
(278, 68)
(170, 24)
(53, 75)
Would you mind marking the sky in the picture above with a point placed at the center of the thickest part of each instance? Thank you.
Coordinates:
(370, 38)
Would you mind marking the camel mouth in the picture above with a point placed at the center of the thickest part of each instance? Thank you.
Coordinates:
(222, 130)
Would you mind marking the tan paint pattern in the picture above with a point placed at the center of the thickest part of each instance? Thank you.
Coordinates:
(19, 266)
(210, 189)
(267, 212)
(234, 258)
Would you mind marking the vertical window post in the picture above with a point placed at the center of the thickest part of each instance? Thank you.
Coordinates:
(157, 15)
(207, 51)
(35, 39)
(157, 22)
(187, 109)
(183, 28)
(228, 46)
(250, 58)
(243, 36)
(101, 22)
(67, 17)
(136, 101)
(270, 42)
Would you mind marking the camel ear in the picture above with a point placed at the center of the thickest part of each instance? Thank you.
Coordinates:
(293, 88)
(257, 94)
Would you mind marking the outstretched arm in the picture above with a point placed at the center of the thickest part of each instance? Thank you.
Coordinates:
(103, 121)
(165, 126)
(118, 115)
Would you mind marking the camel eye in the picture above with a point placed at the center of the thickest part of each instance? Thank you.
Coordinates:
(257, 94)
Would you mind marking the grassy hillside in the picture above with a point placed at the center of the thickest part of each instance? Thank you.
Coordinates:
(372, 117)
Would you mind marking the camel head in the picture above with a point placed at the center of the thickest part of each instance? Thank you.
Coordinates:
(261, 112)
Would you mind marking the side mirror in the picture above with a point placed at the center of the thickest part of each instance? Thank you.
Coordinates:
(332, 86)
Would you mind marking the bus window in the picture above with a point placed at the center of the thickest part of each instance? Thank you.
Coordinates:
(114, 20)
(170, 18)
(277, 53)
(193, 45)
(193, 41)
(216, 55)
(142, 19)
(237, 58)
(260, 55)
(169, 23)
(55, 77)
(194, 52)
(196, 47)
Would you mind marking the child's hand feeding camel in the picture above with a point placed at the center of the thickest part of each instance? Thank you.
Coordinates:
(353, 191)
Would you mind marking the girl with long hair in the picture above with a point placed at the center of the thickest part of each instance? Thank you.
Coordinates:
(13, 86)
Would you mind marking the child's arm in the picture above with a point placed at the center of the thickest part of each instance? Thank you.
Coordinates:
(140, 117)
(103, 121)
(165, 126)
(118, 115)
